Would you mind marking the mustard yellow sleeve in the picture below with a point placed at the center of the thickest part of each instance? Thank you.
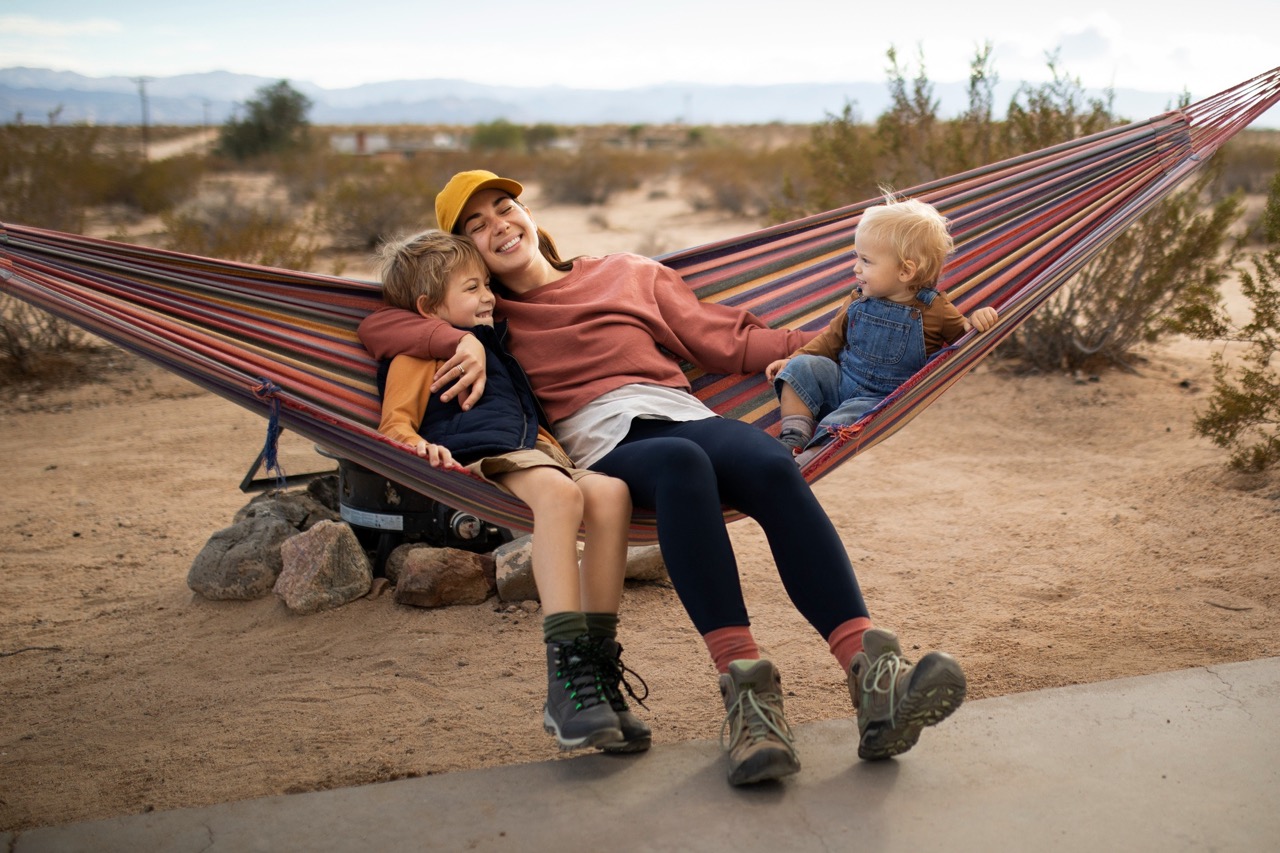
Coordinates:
(404, 402)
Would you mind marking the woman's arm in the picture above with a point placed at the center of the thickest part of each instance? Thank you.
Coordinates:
(718, 338)
(389, 332)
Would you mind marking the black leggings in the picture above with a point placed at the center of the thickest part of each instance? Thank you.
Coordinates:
(687, 472)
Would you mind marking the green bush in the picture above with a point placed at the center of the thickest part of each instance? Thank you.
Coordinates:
(1167, 266)
(1243, 414)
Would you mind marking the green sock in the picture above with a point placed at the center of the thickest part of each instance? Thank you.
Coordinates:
(563, 627)
(602, 625)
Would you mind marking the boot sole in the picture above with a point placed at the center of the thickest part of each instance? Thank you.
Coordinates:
(764, 767)
(639, 744)
(936, 690)
(597, 739)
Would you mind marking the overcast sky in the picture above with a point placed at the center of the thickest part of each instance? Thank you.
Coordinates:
(1167, 45)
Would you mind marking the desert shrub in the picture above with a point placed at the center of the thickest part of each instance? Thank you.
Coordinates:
(1249, 161)
(973, 138)
(591, 176)
(362, 209)
(31, 338)
(1167, 265)
(841, 166)
(157, 185)
(907, 133)
(1053, 112)
(741, 181)
(499, 135)
(49, 176)
(1243, 414)
(217, 224)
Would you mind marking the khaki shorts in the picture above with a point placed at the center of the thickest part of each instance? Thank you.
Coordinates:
(543, 455)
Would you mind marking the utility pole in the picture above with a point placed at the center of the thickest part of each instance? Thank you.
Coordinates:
(142, 94)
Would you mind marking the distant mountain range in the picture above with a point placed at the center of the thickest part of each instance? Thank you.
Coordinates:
(40, 96)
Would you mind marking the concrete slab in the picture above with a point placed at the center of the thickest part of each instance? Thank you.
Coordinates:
(1178, 761)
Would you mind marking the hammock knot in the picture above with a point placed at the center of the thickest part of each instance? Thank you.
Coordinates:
(268, 390)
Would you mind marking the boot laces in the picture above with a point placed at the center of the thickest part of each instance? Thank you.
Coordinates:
(882, 678)
(578, 669)
(614, 673)
(758, 717)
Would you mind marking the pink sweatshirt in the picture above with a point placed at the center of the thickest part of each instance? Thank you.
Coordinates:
(609, 322)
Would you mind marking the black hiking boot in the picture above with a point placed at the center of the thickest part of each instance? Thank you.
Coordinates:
(577, 710)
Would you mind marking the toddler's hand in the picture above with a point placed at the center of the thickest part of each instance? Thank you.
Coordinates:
(984, 318)
(771, 372)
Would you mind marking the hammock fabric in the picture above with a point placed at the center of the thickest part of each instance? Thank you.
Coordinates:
(283, 343)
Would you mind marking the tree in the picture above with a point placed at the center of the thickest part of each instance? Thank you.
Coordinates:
(276, 120)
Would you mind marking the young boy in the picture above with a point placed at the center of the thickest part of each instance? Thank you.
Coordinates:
(500, 439)
(885, 331)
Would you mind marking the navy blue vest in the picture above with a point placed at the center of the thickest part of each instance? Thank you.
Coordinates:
(506, 417)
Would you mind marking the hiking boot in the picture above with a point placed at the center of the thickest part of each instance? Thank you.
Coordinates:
(759, 743)
(636, 736)
(895, 699)
(577, 710)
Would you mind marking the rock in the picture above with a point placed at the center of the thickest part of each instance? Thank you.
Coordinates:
(438, 577)
(323, 568)
(644, 563)
(513, 570)
(241, 562)
(301, 509)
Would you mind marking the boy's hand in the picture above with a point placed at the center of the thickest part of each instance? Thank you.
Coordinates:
(984, 318)
(437, 454)
(771, 372)
(466, 370)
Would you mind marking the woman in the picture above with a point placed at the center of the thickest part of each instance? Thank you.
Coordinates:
(601, 340)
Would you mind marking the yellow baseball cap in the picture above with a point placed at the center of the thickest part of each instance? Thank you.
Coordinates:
(460, 189)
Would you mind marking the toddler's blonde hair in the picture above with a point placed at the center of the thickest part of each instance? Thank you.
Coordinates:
(420, 266)
(914, 231)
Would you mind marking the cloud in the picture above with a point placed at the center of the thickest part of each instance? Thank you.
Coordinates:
(1085, 45)
(33, 27)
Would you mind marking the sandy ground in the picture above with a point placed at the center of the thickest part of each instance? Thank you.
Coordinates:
(1045, 531)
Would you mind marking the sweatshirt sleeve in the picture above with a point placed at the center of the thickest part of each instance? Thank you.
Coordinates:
(405, 400)
(830, 340)
(718, 338)
(389, 332)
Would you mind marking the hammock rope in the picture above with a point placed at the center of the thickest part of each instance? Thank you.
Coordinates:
(283, 343)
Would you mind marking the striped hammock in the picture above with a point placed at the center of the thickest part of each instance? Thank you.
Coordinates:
(283, 343)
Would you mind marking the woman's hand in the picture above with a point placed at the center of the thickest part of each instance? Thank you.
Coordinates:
(771, 372)
(466, 370)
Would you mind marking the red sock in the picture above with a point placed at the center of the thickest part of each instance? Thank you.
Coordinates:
(846, 640)
(730, 644)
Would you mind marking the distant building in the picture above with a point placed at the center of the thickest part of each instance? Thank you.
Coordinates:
(360, 142)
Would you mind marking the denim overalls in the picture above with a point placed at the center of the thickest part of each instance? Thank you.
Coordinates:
(884, 346)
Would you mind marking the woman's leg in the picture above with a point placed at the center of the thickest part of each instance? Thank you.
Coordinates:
(673, 476)
(758, 476)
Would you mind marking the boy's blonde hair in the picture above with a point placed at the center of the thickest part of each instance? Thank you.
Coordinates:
(913, 231)
(420, 266)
